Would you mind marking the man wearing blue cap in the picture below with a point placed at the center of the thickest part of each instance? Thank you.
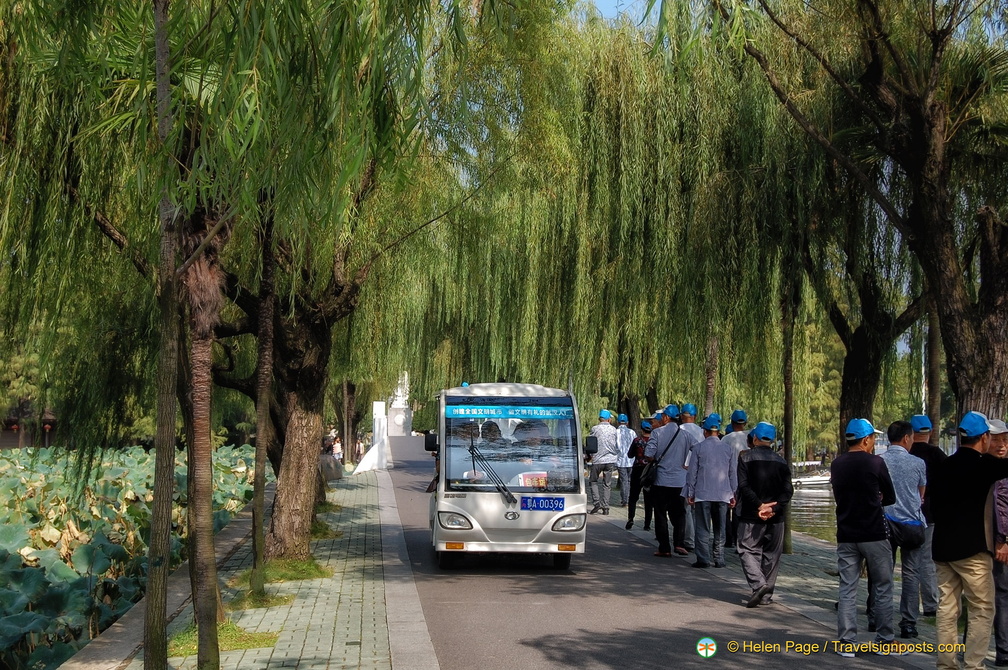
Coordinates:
(625, 437)
(668, 446)
(737, 438)
(764, 491)
(933, 458)
(603, 463)
(710, 491)
(687, 421)
(861, 487)
(961, 548)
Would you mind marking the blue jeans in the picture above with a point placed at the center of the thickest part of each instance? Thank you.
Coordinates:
(708, 515)
(878, 556)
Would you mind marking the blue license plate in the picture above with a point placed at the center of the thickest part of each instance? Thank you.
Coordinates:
(551, 504)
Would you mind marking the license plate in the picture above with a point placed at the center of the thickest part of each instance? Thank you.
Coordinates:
(551, 504)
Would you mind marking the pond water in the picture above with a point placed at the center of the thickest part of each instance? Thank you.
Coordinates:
(813, 511)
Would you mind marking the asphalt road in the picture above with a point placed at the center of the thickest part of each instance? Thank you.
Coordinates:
(617, 607)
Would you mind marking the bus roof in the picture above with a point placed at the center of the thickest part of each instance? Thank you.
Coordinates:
(506, 390)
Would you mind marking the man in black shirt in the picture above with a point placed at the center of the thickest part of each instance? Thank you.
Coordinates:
(861, 487)
(961, 548)
(933, 458)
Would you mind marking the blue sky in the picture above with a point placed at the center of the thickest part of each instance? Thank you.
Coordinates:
(612, 8)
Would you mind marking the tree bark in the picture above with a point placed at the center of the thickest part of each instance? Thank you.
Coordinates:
(934, 363)
(264, 427)
(862, 374)
(159, 549)
(713, 350)
(789, 311)
(349, 407)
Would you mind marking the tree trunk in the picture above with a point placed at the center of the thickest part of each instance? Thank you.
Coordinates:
(264, 427)
(159, 548)
(652, 399)
(789, 311)
(349, 406)
(301, 376)
(862, 374)
(713, 349)
(934, 353)
(203, 558)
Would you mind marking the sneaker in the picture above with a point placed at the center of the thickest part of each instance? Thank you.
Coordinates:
(907, 632)
(629, 524)
(719, 565)
(605, 512)
(680, 551)
(647, 527)
(846, 654)
(596, 509)
(698, 564)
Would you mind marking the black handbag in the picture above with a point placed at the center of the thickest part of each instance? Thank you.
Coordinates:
(906, 536)
(649, 474)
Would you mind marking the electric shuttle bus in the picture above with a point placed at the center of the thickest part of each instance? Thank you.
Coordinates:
(510, 473)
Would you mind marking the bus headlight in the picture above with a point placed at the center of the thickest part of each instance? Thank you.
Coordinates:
(453, 521)
(570, 522)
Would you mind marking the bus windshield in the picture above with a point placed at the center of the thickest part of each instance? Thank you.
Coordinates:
(528, 443)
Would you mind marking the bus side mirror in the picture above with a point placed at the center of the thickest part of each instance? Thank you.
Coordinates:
(591, 444)
(430, 442)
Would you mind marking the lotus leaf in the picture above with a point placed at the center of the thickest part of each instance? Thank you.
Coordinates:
(14, 627)
(56, 569)
(65, 599)
(12, 602)
(14, 536)
(90, 559)
(50, 534)
(51, 657)
(129, 588)
(29, 582)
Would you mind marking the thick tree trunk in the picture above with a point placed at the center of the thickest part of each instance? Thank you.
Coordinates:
(301, 372)
(934, 363)
(862, 374)
(652, 399)
(201, 532)
(791, 300)
(349, 405)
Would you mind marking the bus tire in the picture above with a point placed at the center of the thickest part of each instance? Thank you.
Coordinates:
(561, 561)
(446, 560)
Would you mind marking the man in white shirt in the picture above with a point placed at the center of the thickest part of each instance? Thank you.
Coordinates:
(624, 437)
(603, 462)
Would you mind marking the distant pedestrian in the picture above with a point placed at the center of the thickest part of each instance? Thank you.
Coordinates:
(637, 454)
(961, 547)
(764, 491)
(999, 449)
(736, 436)
(909, 481)
(603, 463)
(861, 487)
(710, 492)
(687, 421)
(669, 445)
(625, 437)
(933, 458)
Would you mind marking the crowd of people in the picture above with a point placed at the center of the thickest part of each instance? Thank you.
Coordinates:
(944, 517)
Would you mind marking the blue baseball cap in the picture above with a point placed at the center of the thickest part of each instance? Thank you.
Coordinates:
(712, 422)
(645, 425)
(739, 416)
(605, 414)
(622, 418)
(656, 416)
(689, 408)
(858, 429)
(920, 423)
(764, 431)
(974, 424)
(728, 429)
(672, 411)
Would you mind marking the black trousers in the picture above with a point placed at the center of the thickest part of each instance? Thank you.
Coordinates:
(669, 507)
(635, 494)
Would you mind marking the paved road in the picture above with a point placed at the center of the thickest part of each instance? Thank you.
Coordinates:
(618, 606)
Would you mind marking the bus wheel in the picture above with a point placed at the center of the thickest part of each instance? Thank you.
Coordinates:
(561, 561)
(446, 560)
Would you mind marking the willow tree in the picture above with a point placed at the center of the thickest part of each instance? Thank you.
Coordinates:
(927, 82)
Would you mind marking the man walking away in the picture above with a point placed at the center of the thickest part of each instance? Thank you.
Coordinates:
(603, 462)
(687, 421)
(861, 487)
(933, 458)
(625, 437)
(669, 445)
(909, 480)
(710, 491)
(960, 548)
(637, 454)
(764, 490)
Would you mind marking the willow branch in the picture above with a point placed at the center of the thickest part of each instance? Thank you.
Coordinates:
(109, 230)
(883, 35)
(825, 64)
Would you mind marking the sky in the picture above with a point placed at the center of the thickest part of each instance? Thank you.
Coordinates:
(610, 9)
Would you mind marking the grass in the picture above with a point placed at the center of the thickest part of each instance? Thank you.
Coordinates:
(283, 570)
(229, 636)
(247, 601)
(327, 508)
(320, 530)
